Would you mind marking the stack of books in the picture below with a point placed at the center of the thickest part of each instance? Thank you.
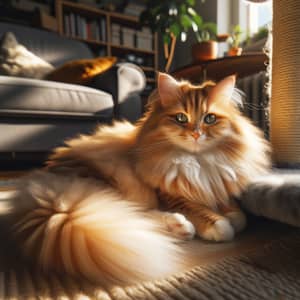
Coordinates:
(129, 37)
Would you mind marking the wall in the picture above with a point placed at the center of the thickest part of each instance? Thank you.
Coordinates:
(224, 11)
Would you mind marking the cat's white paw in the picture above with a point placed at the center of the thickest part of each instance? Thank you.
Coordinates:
(220, 231)
(237, 219)
(179, 226)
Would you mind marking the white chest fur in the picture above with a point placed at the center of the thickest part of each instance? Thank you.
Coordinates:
(204, 174)
(184, 165)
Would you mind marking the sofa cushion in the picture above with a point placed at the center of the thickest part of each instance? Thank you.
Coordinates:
(50, 46)
(82, 70)
(23, 96)
(17, 60)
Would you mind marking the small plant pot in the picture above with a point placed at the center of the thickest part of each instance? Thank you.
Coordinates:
(235, 51)
(205, 51)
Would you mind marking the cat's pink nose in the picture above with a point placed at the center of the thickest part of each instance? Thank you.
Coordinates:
(196, 135)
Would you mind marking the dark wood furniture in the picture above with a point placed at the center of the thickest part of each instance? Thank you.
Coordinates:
(217, 69)
(106, 44)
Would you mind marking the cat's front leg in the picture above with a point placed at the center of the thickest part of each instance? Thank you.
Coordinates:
(235, 215)
(208, 224)
(175, 223)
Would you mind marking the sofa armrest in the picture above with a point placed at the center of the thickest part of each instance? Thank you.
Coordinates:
(131, 79)
(124, 81)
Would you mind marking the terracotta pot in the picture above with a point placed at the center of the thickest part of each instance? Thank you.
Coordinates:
(205, 50)
(235, 51)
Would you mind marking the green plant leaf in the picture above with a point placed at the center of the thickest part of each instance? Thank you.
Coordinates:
(183, 9)
(191, 11)
(198, 37)
(191, 2)
(185, 21)
(205, 35)
(263, 32)
(175, 29)
(166, 39)
(211, 28)
(198, 20)
(237, 29)
(174, 17)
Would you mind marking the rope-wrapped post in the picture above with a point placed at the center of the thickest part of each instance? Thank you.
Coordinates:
(285, 100)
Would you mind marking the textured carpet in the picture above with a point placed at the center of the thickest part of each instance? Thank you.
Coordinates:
(271, 272)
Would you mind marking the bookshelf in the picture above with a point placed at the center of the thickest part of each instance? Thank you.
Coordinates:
(110, 34)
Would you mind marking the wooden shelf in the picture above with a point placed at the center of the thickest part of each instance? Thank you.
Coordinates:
(93, 26)
(217, 69)
(119, 16)
(85, 8)
(81, 7)
(132, 49)
(88, 41)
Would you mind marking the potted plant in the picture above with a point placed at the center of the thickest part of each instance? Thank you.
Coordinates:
(173, 19)
(234, 41)
(257, 42)
(207, 46)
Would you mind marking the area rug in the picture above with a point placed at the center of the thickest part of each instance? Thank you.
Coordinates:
(270, 272)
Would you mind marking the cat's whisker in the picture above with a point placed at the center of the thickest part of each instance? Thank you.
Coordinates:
(252, 106)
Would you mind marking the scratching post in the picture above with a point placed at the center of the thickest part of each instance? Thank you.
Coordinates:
(285, 100)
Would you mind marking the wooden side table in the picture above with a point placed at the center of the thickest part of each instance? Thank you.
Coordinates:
(217, 69)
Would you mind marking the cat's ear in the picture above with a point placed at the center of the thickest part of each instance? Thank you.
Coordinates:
(223, 89)
(168, 88)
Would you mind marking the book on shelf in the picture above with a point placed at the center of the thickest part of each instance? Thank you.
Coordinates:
(128, 37)
(76, 25)
(79, 32)
(144, 39)
(116, 34)
(95, 29)
(67, 25)
(72, 25)
(84, 26)
(103, 29)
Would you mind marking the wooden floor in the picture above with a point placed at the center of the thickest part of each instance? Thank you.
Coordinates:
(258, 233)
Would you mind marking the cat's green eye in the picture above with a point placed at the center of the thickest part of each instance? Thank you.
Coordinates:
(210, 119)
(181, 118)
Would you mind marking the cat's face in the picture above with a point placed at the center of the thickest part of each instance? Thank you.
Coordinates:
(196, 118)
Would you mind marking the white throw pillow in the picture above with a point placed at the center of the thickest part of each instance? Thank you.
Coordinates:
(17, 60)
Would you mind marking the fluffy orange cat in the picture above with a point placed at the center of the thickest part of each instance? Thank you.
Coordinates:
(96, 210)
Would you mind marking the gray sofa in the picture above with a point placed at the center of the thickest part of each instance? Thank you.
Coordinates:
(38, 115)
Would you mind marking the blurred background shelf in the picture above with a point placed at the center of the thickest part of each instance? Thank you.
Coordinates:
(110, 34)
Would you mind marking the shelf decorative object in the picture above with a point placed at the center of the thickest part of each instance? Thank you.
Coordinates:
(206, 47)
(234, 41)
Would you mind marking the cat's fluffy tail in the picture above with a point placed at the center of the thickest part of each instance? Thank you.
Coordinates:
(84, 229)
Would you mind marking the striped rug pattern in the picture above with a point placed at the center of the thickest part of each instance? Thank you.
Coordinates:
(271, 273)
